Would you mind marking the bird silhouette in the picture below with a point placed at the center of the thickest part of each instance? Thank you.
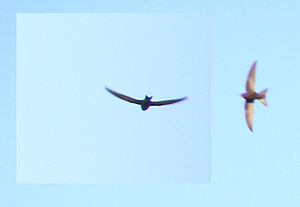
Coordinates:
(251, 95)
(145, 103)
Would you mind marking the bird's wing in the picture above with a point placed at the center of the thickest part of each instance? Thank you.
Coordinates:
(251, 79)
(249, 114)
(160, 103)
(126, 98)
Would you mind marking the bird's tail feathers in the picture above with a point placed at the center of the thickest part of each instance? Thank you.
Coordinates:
(263, 95)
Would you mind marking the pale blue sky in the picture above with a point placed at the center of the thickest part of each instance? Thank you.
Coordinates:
(71, 130)
(248, 169)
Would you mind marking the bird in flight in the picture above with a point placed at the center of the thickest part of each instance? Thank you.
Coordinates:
(251, 95)
(145, 103)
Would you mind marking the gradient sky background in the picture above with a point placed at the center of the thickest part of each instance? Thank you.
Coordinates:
(71, 130)
(248, 169)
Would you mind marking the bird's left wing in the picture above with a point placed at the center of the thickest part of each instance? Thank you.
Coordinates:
(161, 103)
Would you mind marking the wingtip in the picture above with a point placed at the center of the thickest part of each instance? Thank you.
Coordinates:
(108, 89)
(184, 98)
(250, 128)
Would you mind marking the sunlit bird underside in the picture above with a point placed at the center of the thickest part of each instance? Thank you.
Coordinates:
(251, 95)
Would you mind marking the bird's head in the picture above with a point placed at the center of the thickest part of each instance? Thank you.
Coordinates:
(243, 95)
(148, 98)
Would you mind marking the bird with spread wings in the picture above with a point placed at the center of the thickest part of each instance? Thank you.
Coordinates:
(144, 103)
(251, 95)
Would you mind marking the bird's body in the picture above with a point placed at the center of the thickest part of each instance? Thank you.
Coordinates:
(250, 96)
(144, 103)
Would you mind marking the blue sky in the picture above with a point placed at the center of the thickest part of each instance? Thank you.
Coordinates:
(71, 130)
(248, 169)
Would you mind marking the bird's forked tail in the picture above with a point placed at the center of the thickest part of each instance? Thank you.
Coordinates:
(263, 95)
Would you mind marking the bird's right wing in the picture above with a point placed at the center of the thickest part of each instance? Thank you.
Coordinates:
(249, 114)
(251, 79)
(126, 98)
(161, 103)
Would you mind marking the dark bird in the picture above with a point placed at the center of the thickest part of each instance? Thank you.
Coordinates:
(145, 103)
(251, 95)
